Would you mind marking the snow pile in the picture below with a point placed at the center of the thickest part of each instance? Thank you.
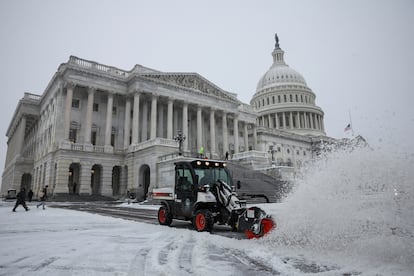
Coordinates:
(357, 203)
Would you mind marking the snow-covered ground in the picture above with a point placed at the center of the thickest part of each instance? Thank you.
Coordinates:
(350, 214)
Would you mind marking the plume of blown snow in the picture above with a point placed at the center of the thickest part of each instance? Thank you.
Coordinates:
(357, 201)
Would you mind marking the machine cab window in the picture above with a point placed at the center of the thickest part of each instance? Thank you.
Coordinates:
(184, 179)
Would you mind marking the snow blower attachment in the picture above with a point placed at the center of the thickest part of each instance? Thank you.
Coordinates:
(203, 195)
(252, 221)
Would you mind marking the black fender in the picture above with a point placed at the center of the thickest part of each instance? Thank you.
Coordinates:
(168, 205)
(202, 205)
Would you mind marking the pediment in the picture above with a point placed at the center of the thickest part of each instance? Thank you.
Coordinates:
(192, 81)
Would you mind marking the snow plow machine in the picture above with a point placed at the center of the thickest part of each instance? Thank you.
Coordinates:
(203, 195)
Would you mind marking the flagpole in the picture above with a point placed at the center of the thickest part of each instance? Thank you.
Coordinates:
(350, 121)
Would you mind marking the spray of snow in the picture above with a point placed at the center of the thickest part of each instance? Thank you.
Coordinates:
(357, 202)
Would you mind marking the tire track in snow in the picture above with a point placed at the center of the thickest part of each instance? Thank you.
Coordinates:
(185, 255)
(241, 262)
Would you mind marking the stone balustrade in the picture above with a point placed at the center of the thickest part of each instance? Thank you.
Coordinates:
(99, 67)
(154, 142)
(30, 96)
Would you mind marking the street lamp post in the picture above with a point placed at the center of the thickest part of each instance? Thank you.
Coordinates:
(180, 139)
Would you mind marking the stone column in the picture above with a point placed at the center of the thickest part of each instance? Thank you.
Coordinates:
(160, 121)
(153, 133)
(291, 120)
(225, 134)
(277, 120)
(284, 120)
(144, 129)
(123, 181)
(322, 125)
(212, 132)
(311, 121)
(108, 125)
(254, 137)
(176, 124)
(106, 181)
(199, 128)
(88, 121)
(127, 123)
(316, 121)
(270, 121)
(62, 177)
(170, 119)
(297, 120)
(305, 118)
(20, 136)
(236, 133)
(85, 187)
(135, 119)
(68, 108)
(185, 126)
(246, 137)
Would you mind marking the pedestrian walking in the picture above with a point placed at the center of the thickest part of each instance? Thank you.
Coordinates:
(227, 156)
(30, 195)
(21, 200)
(43, 198)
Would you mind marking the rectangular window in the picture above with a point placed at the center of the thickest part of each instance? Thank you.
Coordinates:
(72, 135)
(95, 107)
(93, 138)
(75, 103)
(114, 110)
(113, 139)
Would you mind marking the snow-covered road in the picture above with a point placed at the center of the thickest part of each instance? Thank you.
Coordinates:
(349, 214)
(65, 242)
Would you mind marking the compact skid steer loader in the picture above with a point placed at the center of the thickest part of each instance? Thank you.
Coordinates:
(202, 194)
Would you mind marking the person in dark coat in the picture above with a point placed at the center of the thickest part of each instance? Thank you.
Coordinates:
(30, 195)
(21, 200)
(43, 198)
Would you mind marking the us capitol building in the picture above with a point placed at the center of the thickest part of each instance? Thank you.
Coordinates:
(101, 130)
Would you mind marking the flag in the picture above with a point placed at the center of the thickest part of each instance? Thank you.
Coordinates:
(348, 127)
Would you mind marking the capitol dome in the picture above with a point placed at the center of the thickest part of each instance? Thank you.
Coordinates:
(284, 101)
(279, 73)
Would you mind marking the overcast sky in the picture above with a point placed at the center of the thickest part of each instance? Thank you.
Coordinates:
(357, 56)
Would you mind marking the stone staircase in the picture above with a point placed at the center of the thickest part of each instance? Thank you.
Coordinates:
(79, 198)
